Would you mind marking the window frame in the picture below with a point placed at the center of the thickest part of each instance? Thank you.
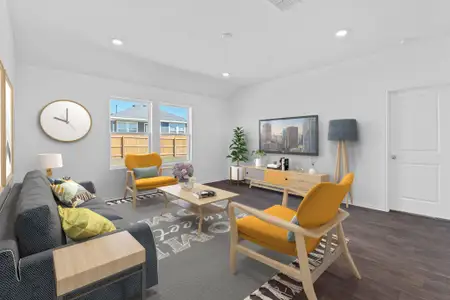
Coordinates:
(149, 104)
(188, 132)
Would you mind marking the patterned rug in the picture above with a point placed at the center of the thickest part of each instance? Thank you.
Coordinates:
(283, 287)
(174, 229)
(141, 197)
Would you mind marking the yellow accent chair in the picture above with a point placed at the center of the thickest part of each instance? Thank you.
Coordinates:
(144, 161)
(319, 216)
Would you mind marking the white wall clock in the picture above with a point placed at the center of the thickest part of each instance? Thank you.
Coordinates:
(65, 120)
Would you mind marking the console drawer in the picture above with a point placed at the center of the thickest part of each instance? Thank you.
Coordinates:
(254, 174)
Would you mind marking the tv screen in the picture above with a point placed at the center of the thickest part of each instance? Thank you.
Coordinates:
(296, 135)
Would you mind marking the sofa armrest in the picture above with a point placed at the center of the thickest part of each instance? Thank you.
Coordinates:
(29, 278)
(89, 186)
(143, 234)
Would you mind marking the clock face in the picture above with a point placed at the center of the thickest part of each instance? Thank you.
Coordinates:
(65, 120)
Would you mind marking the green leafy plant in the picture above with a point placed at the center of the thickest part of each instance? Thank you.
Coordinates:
(238, 148)
(258, 153)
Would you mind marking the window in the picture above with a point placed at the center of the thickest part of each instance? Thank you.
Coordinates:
(175, 133)
(130, 132)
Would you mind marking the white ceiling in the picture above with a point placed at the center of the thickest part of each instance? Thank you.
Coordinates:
(186, 34)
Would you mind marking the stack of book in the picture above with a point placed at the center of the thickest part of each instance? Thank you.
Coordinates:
(204, 194)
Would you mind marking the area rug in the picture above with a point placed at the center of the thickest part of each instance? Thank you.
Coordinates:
(283, 287)
(174, 229)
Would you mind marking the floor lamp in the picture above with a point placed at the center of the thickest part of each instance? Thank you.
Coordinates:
(341, 131)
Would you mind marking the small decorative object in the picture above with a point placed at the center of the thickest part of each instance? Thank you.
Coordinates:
(341, 131)
(183, 171)
(259, 154)
(65, 120)
(50, 161)
(190, 184)
(312, 170)
(238, 153)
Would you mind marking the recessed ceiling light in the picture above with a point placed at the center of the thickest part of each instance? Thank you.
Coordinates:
(117, 42)
(226, 75)
(402, 42)
(342, 33)
(227, 35)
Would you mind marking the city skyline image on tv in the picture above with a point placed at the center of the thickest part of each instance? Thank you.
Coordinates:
(297, 135)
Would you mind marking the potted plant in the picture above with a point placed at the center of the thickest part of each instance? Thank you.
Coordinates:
(238, 153)
(259, 154)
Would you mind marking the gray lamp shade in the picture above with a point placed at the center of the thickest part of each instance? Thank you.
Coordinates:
(343, 130)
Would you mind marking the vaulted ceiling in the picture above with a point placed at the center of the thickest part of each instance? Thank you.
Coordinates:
(186, 35)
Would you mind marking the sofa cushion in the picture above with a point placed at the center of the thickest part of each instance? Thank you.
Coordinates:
(99, 206)
(38, 226)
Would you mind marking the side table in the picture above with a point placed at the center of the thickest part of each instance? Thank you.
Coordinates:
(82, 265)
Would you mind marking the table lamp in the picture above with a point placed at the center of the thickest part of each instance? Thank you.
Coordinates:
(341, 131)
(49, 161)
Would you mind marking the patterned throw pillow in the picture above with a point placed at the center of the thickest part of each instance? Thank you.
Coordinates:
(70, 193)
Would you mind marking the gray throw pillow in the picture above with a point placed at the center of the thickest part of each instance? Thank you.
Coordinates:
(149, 172)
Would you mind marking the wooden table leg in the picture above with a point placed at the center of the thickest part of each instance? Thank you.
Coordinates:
(200, 222)
(166, 203)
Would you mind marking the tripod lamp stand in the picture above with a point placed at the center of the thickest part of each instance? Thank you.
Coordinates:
(341, 131)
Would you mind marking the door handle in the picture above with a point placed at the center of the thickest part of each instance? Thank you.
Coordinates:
(394, 157)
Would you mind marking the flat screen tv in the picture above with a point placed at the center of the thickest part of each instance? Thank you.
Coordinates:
(296, 135)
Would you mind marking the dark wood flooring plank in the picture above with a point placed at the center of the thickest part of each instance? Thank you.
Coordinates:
(400, 256)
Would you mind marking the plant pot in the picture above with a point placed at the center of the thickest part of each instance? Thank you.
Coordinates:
(237, 173)
(258, 162)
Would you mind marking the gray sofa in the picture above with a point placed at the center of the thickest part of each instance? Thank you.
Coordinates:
(30, 228)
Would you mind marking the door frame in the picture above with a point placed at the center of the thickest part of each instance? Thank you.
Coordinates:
(389, 94)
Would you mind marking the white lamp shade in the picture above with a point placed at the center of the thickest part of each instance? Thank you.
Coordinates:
(50, 160)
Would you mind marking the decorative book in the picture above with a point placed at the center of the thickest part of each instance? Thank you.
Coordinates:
(204, 194)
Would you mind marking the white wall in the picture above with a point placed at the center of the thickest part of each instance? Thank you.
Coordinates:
(6, 41)
(355, 89)
(88, 159)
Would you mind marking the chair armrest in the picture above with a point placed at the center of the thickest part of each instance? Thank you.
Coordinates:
(89, 186)
(314, 233)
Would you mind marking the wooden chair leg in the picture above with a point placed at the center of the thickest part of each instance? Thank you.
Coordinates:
(304, 267)
(233, 239)
(343, 243)
(126, 186)
(134, 198)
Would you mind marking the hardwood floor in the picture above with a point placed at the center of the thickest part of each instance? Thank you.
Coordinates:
(400, 256)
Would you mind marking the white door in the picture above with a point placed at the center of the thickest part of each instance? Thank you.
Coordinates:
(419, 152)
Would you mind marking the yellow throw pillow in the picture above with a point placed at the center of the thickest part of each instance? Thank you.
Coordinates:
(83, 223)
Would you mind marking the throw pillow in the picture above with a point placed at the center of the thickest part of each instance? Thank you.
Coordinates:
(71, 193)
(149, 172)
(83, 223)
(291, 235)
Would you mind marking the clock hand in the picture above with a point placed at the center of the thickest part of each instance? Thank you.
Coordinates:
(67, 115)
(56, 118)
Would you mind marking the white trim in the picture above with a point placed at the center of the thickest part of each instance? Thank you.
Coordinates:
(129, 119)
(167, 121)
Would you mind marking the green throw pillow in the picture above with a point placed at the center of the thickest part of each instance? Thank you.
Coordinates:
(71, 193)
(149, 172)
